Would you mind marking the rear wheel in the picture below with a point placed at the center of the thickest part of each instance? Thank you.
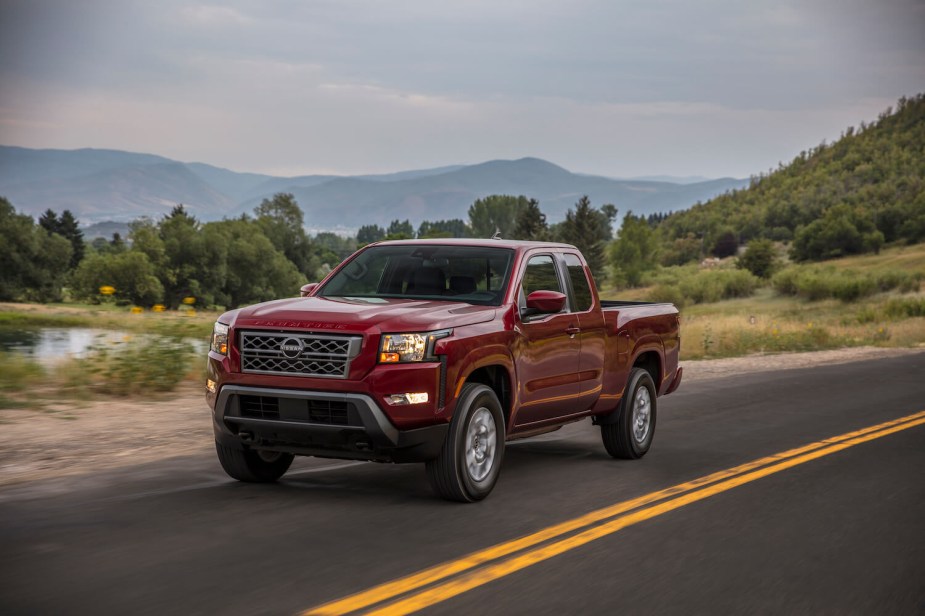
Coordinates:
(254, 466)
(630, 435)
(468, 465)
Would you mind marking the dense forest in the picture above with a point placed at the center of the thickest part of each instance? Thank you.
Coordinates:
(853, 196)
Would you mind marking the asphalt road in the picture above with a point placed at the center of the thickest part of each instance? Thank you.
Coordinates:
(842, 532)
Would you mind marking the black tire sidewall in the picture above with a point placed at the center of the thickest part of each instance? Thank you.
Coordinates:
(480, 396)
(640, 378)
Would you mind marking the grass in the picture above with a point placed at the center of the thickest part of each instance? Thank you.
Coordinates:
(767, 323)
(857, 301)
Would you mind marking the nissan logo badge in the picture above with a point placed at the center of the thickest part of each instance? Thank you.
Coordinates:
(291, 347)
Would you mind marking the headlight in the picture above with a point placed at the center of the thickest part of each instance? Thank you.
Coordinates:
(400, 348)
(220, 338)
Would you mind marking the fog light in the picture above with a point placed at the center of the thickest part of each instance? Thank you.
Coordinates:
(210, 385)
(418, 398)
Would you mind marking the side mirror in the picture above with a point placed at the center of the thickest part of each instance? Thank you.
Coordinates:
(307, 289)
(544, 302)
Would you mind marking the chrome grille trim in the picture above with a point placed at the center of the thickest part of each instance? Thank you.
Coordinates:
(292, 353)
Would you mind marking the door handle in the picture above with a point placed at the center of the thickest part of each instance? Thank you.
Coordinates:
(572, 330)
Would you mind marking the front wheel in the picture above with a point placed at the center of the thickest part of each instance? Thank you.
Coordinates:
(253, 466)
(630, 435)
(469, 462)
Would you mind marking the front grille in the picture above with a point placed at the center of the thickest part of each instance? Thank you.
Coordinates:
(302, 354)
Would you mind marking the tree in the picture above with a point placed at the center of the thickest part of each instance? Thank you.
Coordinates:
(281, 220)
(635, 250)
(117, 244)
(130, 273)
(33, 261)
(727, 244)
(841, 231)
(69, 229)
(443, 228)
(369, 234)
(531, 223)
(400, 230)
(329, 249)
(760, 258)
(495, 213)
(256, 270)
(50, 264)
(682, 250)
(584, 227)
(183, 256)
(49, 221)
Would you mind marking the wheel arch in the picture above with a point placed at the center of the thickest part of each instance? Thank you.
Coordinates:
(497, 378)
(651, 361)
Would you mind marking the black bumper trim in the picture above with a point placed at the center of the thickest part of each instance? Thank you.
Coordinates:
(377, 439)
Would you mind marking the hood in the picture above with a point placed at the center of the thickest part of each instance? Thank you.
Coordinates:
(362, 315)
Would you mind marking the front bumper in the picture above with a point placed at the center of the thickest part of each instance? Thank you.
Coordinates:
(325, 424)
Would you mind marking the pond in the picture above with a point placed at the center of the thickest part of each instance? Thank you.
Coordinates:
(49, 345)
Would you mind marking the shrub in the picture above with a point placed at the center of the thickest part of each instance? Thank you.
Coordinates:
(760, 258)
(785, 281)
(816, 283)
(18, 373)
(143, 364)
(902, 307)
(667, 293)
(716, 285)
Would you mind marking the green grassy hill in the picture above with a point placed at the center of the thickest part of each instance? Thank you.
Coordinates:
(848, 197)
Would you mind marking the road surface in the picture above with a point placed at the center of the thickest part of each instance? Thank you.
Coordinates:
(728, 513)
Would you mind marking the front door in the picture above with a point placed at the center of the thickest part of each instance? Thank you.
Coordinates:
(547, 357)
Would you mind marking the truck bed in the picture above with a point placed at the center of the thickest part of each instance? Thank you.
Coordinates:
(620, 303)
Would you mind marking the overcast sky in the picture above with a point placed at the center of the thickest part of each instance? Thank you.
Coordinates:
(611, 87)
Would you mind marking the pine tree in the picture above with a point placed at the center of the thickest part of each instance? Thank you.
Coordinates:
(70, 230)
(583, 228)
(531, 223)
(49, 221)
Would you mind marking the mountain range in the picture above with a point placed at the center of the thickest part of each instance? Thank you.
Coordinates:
(110, 185)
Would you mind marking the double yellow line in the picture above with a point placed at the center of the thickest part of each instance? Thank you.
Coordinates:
(430, 586)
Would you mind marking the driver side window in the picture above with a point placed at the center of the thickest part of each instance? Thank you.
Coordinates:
(540, 275)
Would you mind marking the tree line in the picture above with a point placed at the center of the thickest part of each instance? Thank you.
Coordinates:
(249, 259)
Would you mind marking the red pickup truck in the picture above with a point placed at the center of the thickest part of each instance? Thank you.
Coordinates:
(437, 351)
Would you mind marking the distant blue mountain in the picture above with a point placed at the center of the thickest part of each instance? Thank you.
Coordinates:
(100, 185)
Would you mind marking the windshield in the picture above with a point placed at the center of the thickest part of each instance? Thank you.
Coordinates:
(468, 274)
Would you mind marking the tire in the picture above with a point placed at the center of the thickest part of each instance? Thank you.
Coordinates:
(630, 435)
(253, 466)
(469, 462)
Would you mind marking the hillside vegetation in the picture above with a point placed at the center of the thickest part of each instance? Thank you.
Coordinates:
(848, 197)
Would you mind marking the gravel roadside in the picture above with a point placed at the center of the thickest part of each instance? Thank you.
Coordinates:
(74, 438)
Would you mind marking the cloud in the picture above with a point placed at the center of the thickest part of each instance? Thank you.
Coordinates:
(213, 16)
(615, 87)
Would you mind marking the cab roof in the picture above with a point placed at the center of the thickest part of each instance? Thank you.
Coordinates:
(475, 242)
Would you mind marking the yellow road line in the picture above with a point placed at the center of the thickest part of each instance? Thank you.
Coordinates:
(681, 495)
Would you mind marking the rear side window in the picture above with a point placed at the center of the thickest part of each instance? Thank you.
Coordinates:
(580, 286)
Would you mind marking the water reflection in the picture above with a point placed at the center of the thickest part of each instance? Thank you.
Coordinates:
(52, 344)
